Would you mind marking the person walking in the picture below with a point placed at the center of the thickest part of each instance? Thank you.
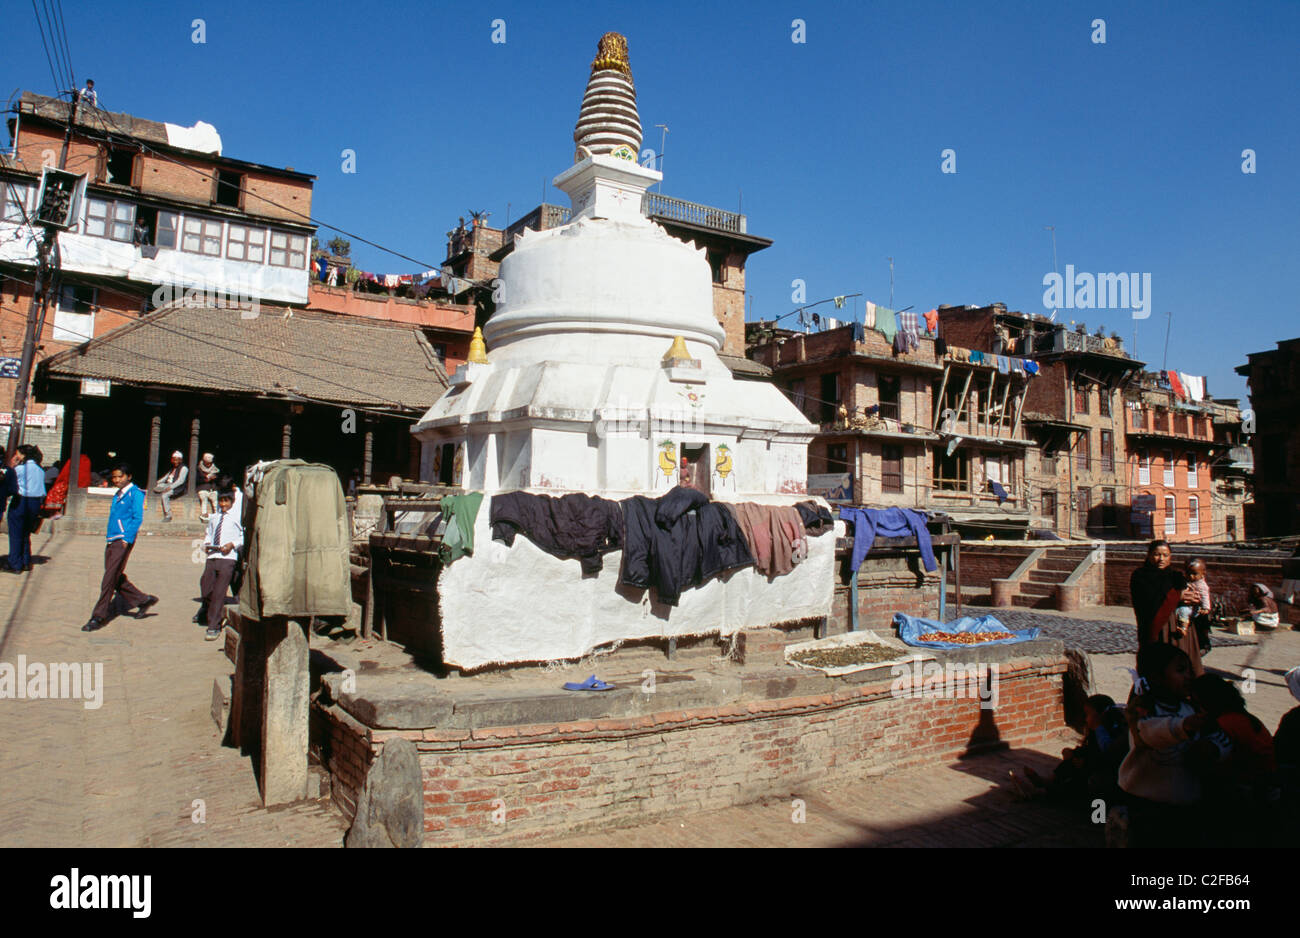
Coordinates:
(222, 543)
(25, 506)
(172, 484)
(124, 519)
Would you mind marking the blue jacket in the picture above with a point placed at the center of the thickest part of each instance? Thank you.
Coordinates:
(887, 522)
(126, 515)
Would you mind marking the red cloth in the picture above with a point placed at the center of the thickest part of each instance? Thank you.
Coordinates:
(58, 493)
(931, 320)
(1175, 385)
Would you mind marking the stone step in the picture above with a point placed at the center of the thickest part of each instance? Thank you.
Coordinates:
(1030, 588)
(1057, 563)
(1047, 576)
(1035, 602)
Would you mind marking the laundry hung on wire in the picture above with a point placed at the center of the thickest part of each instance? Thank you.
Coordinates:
(817, 518)
(574, 525)
(680, 539)
(870, 523)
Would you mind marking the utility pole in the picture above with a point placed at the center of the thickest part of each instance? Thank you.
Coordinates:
(47, 269)
(663, 145)
(891, 282)
(1164, 362)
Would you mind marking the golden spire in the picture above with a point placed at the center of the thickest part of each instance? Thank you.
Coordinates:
(612, 53)
(477, 348)
(678, 352)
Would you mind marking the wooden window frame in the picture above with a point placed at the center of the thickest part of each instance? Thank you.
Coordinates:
(203, 235)
(287, 250)
(891, 482)
(246, 242)
(957, 483)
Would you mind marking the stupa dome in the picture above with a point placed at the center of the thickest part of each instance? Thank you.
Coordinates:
(608, 122)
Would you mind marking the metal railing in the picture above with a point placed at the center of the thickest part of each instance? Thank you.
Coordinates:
(692, 213)
(542, 218)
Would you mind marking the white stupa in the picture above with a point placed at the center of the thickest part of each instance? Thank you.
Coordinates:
(601, 374)
(576, 394)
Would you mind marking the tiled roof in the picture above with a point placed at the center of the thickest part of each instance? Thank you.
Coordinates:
(745, 367)
(311, 356)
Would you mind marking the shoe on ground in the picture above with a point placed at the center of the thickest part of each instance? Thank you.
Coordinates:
(200, 617)
(143, 608)
(93, 625)
(211, 635)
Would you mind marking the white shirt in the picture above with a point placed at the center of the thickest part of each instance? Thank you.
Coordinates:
(231, 532)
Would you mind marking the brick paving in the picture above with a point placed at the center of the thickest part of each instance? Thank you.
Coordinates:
(127, 774)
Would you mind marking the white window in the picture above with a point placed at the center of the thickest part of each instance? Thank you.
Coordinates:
(1169, 468)
(1144, 467)
(97, 215)
(246, 244)
(74, 319)
(1171, 520)
(288, 250)
(108, 219)
(1193, 515)
(1193, 477)
(201, 236)
(165, 235)
(15, 201)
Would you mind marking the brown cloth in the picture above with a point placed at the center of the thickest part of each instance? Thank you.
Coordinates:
(770, 531)
(116, 554)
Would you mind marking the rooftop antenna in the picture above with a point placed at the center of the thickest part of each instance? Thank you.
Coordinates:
(891, 282)
(1164, 362)
(663, 145)
(1057, 269)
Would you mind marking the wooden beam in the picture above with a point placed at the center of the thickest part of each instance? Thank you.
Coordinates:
(938, 401)
(1002, 409)
(965, 390)
(1020, 403)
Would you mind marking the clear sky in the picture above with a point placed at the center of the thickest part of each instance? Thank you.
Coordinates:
(1132, 149)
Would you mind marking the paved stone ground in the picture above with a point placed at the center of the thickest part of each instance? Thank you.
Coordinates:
(1095, 636)
(127, 774)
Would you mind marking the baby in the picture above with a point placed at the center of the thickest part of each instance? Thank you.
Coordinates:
(1196, 581)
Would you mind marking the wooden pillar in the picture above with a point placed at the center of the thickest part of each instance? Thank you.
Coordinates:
(75, 496)
(285, 437)
(194, 451)
(367, 459)
(155, 437)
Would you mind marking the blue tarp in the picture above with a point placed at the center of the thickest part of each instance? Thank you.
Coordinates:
(910, 629)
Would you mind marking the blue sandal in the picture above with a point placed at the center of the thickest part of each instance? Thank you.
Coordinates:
(590, 683)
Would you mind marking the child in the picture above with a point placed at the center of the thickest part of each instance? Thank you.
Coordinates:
(1091, 769)
(224, 538)
(1251, 762)
(1200, 612)
(1169, 739)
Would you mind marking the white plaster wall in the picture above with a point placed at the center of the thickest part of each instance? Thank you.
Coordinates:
(490, 616)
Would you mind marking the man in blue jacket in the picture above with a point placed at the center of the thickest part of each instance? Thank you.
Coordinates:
(124, 519)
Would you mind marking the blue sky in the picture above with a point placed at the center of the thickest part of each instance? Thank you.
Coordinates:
(1131, 148)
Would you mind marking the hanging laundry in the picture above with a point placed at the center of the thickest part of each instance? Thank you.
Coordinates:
(1175, 385)
(460, 512)
(770, 532)
(1017, 366)
(575, 525)
(910, 327)
(1004, 365)
(839, 302)
(405, 278)
(1194, 385)
(832, 323)
(1031, 368)
(679, 540)
(886, 322)
(870, 523)
(976, 357)
(869, 316)
(940, 347)
(932, 322)
(859, 333)
(997, 489)
(816, 518)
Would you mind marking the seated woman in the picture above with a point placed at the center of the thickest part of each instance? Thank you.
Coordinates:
(1157, 590)
(1263, 607)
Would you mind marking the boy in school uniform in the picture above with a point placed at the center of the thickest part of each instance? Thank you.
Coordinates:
(222, 543)
(124, 519)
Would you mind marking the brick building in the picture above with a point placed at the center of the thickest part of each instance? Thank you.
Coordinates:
(448, 326)
(165, 216)
(1078, 484)
(1186, 484)
(476, 252)
(1274, 380)
(914, 429)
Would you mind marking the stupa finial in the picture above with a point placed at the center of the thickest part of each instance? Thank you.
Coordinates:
(608, 122)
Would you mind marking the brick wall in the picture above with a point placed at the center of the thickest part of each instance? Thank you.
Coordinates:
(341, 746)
(512, 783)
(981, 564)
(1230, 574)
